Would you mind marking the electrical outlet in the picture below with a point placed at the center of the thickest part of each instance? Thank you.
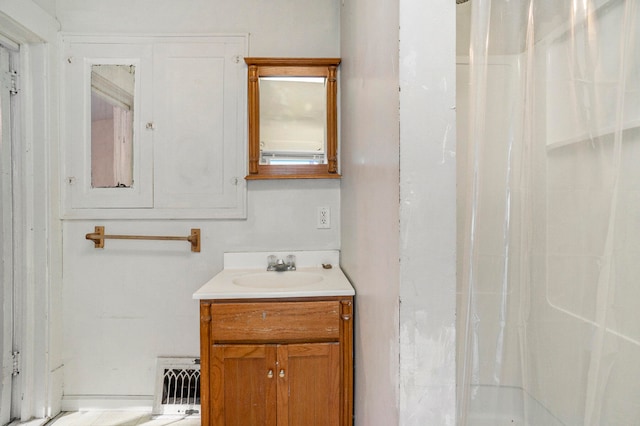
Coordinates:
(324, 218)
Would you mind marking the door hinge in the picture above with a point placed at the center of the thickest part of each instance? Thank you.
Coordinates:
(16, 363)
(13, 88)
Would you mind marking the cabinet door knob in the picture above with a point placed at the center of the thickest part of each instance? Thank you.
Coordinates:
(281, 373)
(270, 374)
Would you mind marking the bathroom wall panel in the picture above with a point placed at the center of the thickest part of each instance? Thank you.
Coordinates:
(584, 337)
(370, 206)
(571, 305)
(427, 78)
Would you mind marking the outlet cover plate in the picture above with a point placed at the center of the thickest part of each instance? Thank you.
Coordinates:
(323, 218)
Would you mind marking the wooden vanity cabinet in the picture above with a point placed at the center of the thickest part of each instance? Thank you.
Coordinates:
(284, 362)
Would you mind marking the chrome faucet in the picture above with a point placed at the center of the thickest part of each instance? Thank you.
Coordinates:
(280, 265)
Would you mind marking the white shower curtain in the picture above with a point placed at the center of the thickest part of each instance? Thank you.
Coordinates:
(549, 213)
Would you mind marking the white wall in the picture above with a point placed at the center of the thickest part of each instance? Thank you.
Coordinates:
(277, 28)
(131, 302)
(427, 213)
(370, 207)
(398, 215)
(48, 6)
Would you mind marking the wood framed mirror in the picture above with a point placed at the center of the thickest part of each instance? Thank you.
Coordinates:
(293, 118)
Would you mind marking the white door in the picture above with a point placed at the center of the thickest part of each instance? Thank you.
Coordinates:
(6, 241)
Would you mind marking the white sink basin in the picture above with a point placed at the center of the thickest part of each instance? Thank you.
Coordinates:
(278, 280)
(244, 276)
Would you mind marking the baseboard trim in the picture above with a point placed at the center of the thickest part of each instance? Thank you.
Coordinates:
(107, 402)
(34, 422)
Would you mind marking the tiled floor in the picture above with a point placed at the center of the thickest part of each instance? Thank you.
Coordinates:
(120, 418)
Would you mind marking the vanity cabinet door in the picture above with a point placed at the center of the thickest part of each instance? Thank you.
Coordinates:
(283, 385)
(243, 383)
(309, 389)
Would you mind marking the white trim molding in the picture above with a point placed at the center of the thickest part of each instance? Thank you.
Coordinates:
(140, 403)
(35, 32)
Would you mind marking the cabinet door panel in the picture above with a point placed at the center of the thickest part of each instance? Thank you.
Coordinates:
(198, 141)
(243, 393)
(309, 392)
(81, 56)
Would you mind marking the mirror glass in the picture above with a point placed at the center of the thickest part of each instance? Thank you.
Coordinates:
(112, 93)
(293, 117)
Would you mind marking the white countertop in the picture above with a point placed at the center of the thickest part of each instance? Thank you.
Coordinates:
(243, 269)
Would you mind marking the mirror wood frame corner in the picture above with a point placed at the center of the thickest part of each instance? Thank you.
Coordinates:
(326, 68)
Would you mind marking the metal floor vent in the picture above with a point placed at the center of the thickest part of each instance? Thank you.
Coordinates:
(177, 386)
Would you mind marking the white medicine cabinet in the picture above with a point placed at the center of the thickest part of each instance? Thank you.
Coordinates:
(154, 127)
